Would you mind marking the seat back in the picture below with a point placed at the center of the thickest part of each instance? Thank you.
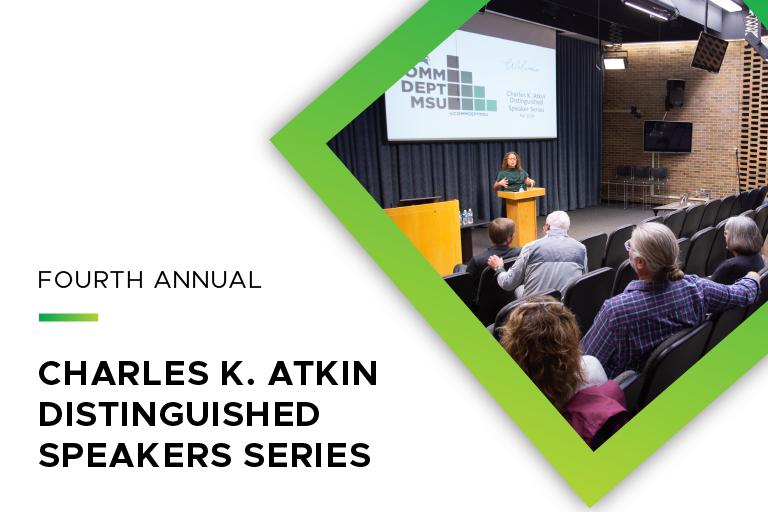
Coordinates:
(698, 254)
(749, 213)
(710, 214)
(641, 173)
(490, 296)
(653, 219)
(624, 275)
(623, 172)
(692, 220)
(749, 203)
(761, 218)
(738, 204)
(595, 245)
(670, 360)
(585, 295)
(763, 298)
(684, 245)
(503, 314)
(718, 253)
(461, 284)
(723, 324)
(674, 221)
(659, 173)
(726, 205)
(615, 253)
(760, 197)
(632, 384)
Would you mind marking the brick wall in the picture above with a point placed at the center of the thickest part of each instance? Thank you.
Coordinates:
(711, 104)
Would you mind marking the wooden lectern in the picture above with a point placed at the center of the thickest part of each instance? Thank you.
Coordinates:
(521, 208)
(434, 230)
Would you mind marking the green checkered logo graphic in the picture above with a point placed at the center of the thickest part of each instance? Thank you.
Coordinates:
(427, 87)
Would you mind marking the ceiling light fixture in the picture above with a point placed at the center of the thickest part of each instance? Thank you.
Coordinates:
(616, 60)
(665, 18)
(728, 5)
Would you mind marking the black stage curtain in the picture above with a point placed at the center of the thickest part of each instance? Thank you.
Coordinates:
(569, 168)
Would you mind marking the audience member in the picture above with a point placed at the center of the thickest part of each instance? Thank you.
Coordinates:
(664, 301)
(546, 263)
(542, 336)
(501, 231)
(765, 252)
(743, 239)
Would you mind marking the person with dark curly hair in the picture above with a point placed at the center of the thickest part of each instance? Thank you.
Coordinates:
(662, 302)
(542, 336)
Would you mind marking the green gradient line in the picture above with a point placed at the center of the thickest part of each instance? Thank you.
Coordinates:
(69, 317)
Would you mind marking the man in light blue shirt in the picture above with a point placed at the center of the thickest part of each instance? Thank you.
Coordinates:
(547, 263)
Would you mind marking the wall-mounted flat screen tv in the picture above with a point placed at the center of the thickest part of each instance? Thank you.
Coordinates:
(667, 137)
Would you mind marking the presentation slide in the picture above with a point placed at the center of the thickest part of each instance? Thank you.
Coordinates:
(192, 319)
(475, 86)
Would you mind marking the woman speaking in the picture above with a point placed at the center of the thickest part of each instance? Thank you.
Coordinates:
(512, 177)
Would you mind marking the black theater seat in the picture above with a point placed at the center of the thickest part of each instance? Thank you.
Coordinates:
(670, 360)
(726, 205)
(674, 221)
(585, 295)
(739, 203)
(698, 254)
(710, 214)
(615, 253)
(595, 245)
(461, 284)
(632, 384)
(490, 297)
(718, 253)
(749, 213)
(760, 197)
(749, 202)
(692, 220)
(723, 324)
(761, 217)
(624, 275)
(684, 245)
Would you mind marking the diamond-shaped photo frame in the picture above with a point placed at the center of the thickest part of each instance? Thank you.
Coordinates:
(591, 474)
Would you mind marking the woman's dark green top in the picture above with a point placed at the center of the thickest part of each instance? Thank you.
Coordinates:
(514, 177)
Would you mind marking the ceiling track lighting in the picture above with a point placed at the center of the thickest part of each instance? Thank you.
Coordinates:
(653, 9)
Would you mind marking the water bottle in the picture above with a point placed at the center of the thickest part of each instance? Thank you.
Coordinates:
(464, 218)
(470, 219)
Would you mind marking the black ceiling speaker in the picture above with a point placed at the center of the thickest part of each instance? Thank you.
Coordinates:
(675, 93)
(709, 54)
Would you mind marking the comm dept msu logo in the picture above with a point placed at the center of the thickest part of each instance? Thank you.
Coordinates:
(450, 88)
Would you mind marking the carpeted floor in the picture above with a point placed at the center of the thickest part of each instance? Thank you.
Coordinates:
(602, 218)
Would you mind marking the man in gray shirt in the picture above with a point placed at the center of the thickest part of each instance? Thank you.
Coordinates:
(547, 263)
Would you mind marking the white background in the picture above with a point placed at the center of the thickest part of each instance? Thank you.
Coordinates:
(135, 137)
(485, 58)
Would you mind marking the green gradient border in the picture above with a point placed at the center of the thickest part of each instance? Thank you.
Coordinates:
(68, 317)
(303, 143)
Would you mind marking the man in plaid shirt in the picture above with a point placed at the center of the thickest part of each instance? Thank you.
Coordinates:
(663, 302)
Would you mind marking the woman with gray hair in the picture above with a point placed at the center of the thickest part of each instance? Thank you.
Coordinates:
(663, 302)
(743, 239)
